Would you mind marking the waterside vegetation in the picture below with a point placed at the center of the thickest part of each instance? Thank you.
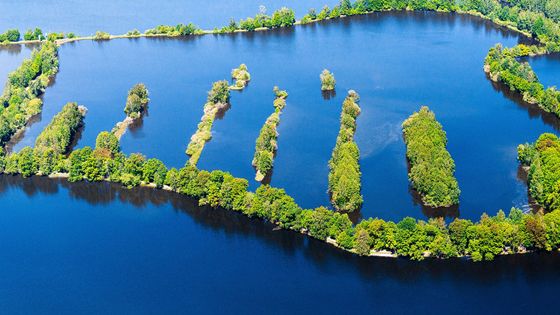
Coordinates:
(20, 99)
(241, 76)
(266, 144)
(218, 99)
(136, 105)
(431, 166)
(327, 80)
(542, 162)
(345, 175)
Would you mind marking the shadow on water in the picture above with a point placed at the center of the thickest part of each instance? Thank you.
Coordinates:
(533, 110)
(531, 267)
(327, 95)
(136, 126)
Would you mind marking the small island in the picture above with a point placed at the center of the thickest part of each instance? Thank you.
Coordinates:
(431, 165)
(267, 144)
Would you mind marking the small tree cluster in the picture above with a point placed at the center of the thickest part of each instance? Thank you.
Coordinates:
(136, 101)
(241, 76)
(327, 80)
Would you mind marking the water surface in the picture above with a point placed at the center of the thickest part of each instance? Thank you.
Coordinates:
(119, 16)
(396, 61)
(99, 248)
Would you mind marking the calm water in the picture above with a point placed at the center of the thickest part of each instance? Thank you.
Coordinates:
(119, 16)
(397, 62)
(102, 249)
(11, 57)
(98, 248)
(547, 68)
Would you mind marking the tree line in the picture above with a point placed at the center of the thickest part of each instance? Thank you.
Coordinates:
(20, 99)
(344, 176)
(542, 158)
(415, 239)
(218, 99)
(58, 134)
(282, 17)
(266, 144)
(431, 165)
(501, 65)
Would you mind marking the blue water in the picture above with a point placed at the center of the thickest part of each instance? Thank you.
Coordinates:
(98, 248)
(119, 16)
(396, 61)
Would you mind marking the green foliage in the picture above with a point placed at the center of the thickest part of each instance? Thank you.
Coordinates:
(218, 98)
(241, 76)
(12, 35)
(168, 30)
(136, 101)
(59, 132)
(134, 32)
(543, 160)
(283, 17)
(266, 144)
(327, 80)
(344, 176)
(36, 34)
(99, 35)
(107, 142)
(20, 101)
(501, 64)
(432, 167)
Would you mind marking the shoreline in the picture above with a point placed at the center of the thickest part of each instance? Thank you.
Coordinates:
(203, 32)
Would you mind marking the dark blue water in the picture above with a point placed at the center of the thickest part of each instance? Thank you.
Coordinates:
(397, 62)
(97, 248)
(119, 16)
(547, 68)
(10, 58)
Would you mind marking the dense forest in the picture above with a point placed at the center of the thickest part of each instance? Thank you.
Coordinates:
(542, 159)
(431, 165)
(20, 99)
(59, 132)
(266, 144)
(344, 176)
(501, 65)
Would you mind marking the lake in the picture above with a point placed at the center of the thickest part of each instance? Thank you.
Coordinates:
(397, 62)
(99, 248)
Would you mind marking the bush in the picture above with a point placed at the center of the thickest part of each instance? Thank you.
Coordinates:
(99, 35)
(327, 81)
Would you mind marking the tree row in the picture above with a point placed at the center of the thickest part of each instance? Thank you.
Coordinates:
(344, 176)
(266, 144)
